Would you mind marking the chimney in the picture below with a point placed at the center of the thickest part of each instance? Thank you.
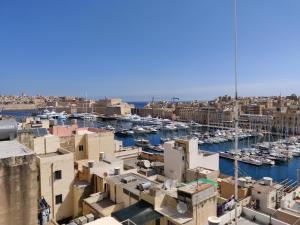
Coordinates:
(101, 156)
(117, 171)
(91, 163)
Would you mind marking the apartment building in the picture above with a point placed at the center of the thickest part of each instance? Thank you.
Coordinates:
(183, 155)
(86, 143)
(56, 177)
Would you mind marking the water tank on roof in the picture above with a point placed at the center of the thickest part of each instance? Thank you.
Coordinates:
(213, 220)
(268, 181)
(8, 129)
(144, 186)
(248, 179)
(242, 182)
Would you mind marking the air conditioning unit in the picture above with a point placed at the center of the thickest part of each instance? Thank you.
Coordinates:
(90, 217)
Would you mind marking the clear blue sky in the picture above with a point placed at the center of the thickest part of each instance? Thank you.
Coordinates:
(136, 49)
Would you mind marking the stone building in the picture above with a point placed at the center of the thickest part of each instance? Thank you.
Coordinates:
(19, 186)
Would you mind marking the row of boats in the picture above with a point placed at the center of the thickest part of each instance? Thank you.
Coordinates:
(220, 136)
(266, 153)
(47, 114)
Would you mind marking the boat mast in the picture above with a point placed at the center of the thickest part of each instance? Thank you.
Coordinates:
(236, 122)
(84, 118)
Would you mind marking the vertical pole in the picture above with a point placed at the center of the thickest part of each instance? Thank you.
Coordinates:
(235, 111)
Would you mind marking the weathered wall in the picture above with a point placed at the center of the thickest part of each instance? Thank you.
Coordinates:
(19, 191)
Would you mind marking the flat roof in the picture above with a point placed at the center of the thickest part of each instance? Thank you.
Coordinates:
(139, 213)
(81, 132)
(172, 214)
(101, 205)
(13, 148)
(195, 187)
(131, 186)
(260, 186)
(245, 221)
(105, 221)
(51, 154)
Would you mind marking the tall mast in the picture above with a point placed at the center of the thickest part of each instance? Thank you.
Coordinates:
(236, 122)
(84, 118)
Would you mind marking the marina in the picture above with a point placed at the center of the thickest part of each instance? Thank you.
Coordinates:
(281, 163)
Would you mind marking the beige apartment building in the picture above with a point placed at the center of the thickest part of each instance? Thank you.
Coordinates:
(286, 120)
(55, 173)
(88, 143)
(145, 201)
(165, 113)
(182, 159)
(56, 177)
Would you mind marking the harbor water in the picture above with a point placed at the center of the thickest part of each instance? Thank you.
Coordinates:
(279, 172)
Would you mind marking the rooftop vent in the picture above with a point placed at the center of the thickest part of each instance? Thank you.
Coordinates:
(117, 171)
(101, 156)
(144, 186)
(91, 163)
(268, 181)
(128, 179)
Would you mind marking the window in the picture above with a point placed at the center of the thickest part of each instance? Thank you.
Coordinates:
(58, 199)
(125, 192)
(136, 197)
(80, 147)
(57, 175)
(157, 222)
(170, 223)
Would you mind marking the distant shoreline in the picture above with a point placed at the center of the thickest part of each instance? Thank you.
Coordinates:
(19, 107)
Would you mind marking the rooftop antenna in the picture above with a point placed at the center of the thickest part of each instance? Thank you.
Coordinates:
(236, 115)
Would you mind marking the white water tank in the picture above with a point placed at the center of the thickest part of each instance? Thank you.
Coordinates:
(242, 182)
(248, 179)
(268, 181)
(8, 129)
(213, 220)
(144, 186)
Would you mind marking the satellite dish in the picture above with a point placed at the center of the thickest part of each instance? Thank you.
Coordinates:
(168, 184)
(181, 207)
(147, 164)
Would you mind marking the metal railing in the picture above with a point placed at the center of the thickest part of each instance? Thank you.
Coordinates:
(128, 222)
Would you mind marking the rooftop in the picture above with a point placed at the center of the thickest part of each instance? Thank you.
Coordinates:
(260, 186)
(13, 148)
(105, 221)
(194, 187)
(59, 151)
(173, 214)
(130, 182)
(245, 221)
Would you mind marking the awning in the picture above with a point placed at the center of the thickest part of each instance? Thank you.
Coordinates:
(140, 213)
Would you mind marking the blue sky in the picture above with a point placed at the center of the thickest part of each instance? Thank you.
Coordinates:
(136, 49)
